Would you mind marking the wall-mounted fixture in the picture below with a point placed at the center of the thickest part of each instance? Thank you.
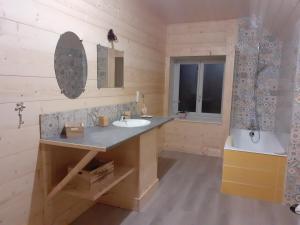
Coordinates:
(137, 96)
(112, 38)
(70, 65)
(110, 68)
(20, 108)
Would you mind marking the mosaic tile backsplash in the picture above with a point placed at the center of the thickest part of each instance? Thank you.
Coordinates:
(243, 111)
(53, 123)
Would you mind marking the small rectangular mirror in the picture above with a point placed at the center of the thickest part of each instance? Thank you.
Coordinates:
(110, 68)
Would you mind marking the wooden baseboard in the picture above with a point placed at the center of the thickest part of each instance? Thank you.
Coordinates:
(211, 152)
(136, 203)
(145, 197)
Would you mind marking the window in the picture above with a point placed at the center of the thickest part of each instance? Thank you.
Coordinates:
(198, 89)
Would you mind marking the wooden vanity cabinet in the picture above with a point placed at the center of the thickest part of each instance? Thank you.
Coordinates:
(133, 183)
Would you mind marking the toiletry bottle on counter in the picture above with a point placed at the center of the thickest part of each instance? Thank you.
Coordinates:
(144, 109)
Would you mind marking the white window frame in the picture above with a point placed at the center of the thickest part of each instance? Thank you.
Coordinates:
(198, 115)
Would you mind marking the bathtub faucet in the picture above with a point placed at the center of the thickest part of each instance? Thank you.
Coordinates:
(252, 126)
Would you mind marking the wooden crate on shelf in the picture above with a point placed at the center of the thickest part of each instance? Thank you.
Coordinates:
(93, 172)
(101, 186)
(72, 130)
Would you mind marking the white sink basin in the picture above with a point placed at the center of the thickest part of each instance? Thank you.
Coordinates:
(131, 123)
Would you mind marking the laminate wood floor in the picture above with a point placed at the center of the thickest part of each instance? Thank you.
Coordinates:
(188, 194)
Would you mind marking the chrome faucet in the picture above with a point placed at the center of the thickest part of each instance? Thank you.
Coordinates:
(252, 125)
(123, 117)
(252, 128)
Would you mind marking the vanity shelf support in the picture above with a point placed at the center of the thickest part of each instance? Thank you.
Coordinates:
(81, 164)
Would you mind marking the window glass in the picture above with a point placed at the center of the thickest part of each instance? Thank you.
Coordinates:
(212, 88)
(188, 79)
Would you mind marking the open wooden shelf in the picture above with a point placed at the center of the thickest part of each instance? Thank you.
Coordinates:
(102, 186)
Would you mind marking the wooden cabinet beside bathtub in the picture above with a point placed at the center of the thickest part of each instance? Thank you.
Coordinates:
(254, 175)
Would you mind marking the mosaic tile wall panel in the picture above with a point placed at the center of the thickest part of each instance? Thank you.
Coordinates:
(292, 64)
(285, 96)
(243, 111)
(52, 124)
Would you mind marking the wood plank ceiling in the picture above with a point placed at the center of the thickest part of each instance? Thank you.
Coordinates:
(277, 15)
(178, 11)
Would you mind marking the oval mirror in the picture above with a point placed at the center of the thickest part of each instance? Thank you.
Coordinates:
(70, 65)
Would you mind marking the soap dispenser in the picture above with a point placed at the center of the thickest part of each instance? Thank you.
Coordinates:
(143, 108)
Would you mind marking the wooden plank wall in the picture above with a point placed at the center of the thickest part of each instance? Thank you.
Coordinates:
(29, 31)
(201, 39)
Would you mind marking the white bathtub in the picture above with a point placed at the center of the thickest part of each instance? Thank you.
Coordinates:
(240, 140)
